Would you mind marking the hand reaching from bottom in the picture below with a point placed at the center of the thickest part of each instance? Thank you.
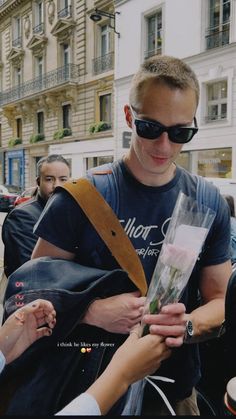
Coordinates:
(25, 326)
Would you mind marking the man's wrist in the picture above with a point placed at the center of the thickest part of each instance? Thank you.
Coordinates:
(90, 316)
(189, 331)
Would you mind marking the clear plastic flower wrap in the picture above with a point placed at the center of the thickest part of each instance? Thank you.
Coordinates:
(186, 234)
(184, 240)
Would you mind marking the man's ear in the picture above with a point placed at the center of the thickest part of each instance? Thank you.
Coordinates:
(38, 180)
(128, 116)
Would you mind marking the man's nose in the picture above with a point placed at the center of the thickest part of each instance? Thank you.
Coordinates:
(163, 139)
(56, 183)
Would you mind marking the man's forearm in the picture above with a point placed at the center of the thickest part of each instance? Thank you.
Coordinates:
(207, 320)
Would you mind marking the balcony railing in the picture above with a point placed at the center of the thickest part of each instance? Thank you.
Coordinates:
(38, 28)
(17, 42)
(216, 38)
(215, 118)
(67, 73)
(64, 12)
(103, 63)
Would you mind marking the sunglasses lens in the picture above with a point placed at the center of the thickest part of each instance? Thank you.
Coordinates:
(182, 135)
(146, 129)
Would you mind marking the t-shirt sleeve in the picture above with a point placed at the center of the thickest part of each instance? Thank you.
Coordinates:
(61, 221)
(217, 247)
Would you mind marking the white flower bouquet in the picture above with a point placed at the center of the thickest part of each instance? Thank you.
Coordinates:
(187, 231)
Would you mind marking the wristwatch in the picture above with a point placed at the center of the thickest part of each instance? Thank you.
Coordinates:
(189, 331)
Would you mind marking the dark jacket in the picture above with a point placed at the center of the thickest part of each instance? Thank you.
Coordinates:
(17, 233)
(53, 370)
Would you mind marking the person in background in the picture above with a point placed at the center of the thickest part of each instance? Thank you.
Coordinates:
(230, 201)
(17, 229)
(22, 328)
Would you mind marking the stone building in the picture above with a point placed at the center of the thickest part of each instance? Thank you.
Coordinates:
(56, 85)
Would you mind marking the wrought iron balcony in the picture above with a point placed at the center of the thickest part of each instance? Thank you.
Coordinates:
(17, 42)
(215, 118)
(216, 38)
(66, 12)
(103, 63)
(52, 79)
(38, 28)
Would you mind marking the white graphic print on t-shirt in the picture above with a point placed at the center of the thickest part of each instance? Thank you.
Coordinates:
(144, 233)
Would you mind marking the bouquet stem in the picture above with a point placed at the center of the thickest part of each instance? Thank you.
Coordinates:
(153, 309)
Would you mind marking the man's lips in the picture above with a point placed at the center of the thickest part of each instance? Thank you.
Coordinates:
(160, 159)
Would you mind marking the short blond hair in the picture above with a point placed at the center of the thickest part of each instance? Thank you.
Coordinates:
(163, 69)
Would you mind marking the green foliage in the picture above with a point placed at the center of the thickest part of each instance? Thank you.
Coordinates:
(92, 128)
(36, 138)
(98, 127)
(61, 133)
(14, 141)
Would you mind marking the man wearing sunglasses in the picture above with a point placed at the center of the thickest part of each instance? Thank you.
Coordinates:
(161, 113)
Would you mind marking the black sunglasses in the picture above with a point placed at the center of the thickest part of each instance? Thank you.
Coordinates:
(152, 130)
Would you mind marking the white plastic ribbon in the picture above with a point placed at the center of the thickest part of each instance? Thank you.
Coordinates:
(162, 394)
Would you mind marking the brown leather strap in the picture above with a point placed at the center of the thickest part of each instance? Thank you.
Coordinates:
(109, 228)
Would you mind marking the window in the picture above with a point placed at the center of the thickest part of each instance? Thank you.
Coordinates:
(66, 116)
(16, 40)
(105, 108)
(105, 55)
(215, 163)
(91, 162)
(105, 40)
(18, 128)
(17, 76)
(64, 8)
(40, 123)
(219, 23)
(39, 67)
(65, 59)
(39, 26)
(154, 34)
(65, 54)
(216, 101)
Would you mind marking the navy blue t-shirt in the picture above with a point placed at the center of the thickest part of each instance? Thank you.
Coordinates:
(144, 212)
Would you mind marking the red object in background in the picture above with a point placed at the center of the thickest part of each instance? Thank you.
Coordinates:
(26, 195)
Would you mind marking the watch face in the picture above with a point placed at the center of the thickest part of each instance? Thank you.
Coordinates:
(189, 328)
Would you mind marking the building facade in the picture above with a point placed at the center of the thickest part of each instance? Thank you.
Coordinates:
(56, 83)
(64, 79)
(203, 33)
